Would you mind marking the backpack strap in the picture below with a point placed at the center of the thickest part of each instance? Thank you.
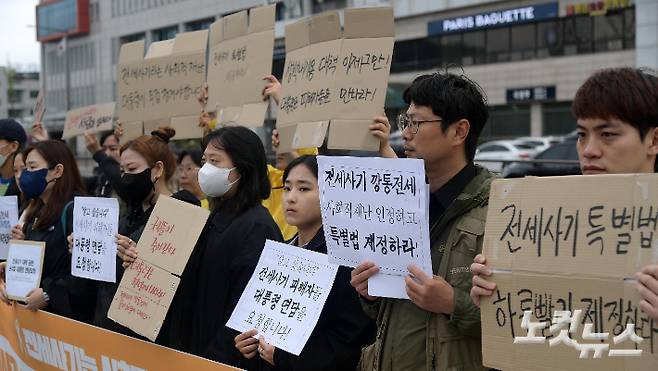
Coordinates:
(65, 213)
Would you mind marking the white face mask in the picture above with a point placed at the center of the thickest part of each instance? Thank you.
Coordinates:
(3, 158)
(214, 180)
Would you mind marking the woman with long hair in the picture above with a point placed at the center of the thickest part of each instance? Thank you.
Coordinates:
(50, 181)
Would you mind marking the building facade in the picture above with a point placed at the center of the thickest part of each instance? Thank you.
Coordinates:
(18, 94)
(529, 56)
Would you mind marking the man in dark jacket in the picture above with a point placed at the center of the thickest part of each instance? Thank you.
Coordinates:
(107, 155)
(439, 328)
(12, 140)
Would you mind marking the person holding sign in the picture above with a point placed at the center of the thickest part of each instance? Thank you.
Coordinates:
(107, 155)
(227, 252)
(617, 113)
(189, 163)
(441, 126)
(12, 140)
(147, 167)
(342, 329)
(51, 181)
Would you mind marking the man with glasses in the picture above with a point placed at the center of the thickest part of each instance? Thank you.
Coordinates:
(439, 327)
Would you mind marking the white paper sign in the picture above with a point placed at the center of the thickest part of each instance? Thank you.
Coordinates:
(285, 296)
(95, 225)
(8, 219)
(375, 209)
(24, 265)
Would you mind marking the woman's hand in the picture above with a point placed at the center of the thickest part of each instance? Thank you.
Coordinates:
(36, 299)
(69, 239)
(247, 344)
(126, 250)
(266, 350)
(17, 232)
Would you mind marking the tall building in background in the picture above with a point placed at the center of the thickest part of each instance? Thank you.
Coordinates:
(528, 55)
(18, 93)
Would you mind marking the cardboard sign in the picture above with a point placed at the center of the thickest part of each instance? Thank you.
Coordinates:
(285, 296)
(375, 209)
(47, 342)
(95, 226)
(24, 266)
(240, 55)
(335, 80)
(8, 219)
(39, 107)
(165, 83)
(131, 130)
(90, 119)
(556, 246)
(148, 286)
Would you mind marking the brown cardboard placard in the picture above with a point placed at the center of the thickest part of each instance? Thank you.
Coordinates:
(241, 50)
(336, 77)
(151, 281)
(39, 107)
(143, 298)
(131, 130)
(89, 119)
(165, 82)
(553, 244)
(171, 233)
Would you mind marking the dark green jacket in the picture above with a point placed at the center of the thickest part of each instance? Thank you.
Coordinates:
(453, 341)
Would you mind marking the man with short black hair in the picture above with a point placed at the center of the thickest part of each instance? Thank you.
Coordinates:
(617, 113)
(439, 328)
(12, 140)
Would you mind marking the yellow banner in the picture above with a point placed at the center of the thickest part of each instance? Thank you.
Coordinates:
(43, 341)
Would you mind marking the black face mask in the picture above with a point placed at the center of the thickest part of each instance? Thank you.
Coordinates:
(135, 188)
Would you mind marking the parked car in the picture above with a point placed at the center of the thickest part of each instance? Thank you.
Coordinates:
(539, 143)
(503, 150)
(561, 151)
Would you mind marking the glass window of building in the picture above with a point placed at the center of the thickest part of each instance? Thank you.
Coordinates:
(451, 49)
(474, 48)
(629, 28)
(498, 45)
(608, 32)
(202, 24)
(404, 55)
(578, 35)
(549, 39)
(164, 33)
(558, 119)
(429, 52)
(507, 122)
(523, 42)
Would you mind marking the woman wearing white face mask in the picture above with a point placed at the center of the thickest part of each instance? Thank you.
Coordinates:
(226, 254)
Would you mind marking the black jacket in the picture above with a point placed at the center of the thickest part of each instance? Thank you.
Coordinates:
(70, 296)
(131, 226)
(342, 329)
(217, 273)
(106, 177)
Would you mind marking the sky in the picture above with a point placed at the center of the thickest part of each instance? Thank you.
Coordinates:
(18, 43)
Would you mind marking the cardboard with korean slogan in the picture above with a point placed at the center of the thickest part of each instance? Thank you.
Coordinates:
(39, 107)
(335, 80)
(149, 284)
(563, 259)
(163, 84)
(89, 119)
(240, 55)
(24, 267)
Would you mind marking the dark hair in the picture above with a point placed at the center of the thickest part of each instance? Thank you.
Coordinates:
(70, 184)
(452, 97)
(627, 94)
(105, 135)
(194, 154)
(246, 151)
(310, 161)
(155, 148)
